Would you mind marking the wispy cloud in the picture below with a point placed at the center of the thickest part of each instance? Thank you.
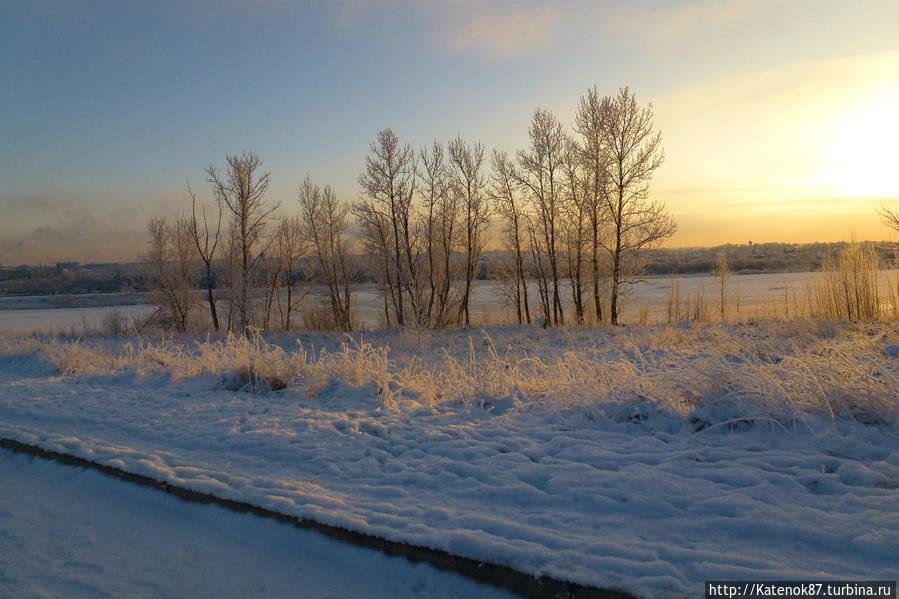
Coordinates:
(52, 226)
(498, 28)
(697, 17)
(509, 32)
(80, 235)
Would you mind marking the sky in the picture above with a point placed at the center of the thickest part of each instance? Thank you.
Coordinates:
(779, 119)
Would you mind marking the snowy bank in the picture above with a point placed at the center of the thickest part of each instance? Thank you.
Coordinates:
(646, 460)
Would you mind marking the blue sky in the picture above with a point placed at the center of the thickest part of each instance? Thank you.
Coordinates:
(110, 107)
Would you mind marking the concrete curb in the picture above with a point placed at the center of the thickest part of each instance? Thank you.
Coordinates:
(526, 585)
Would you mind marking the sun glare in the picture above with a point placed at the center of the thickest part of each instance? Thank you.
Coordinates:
(861, 160)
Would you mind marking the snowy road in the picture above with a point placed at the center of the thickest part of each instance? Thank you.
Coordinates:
(68, 532)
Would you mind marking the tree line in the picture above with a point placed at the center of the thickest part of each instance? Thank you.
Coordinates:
(572, 210)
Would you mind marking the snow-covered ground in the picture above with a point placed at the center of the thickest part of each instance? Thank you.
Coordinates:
(644, 459)
(74, 533)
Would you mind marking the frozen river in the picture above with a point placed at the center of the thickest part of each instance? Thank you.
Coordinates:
(747, 295)
(68, 319)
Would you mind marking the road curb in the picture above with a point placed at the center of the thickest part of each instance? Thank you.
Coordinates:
(526, 585)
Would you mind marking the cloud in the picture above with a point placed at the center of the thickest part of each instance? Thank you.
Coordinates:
(36, 201)
(60, 226)
(510, 32)
(497, 28)
(696, 18)
(80, 235)
(743, 33)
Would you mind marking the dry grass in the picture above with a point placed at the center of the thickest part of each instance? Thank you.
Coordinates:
(847, 287)
(775, 372)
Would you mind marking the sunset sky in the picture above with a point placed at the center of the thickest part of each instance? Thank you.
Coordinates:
(780, 120)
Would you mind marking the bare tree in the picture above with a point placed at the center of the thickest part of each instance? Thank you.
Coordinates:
(389, 183)
(376, 245)
(509, 205)
(576, 206)
(634, 154)
(232, 274)
(439, 227)
(270, 274)
(432, 186)
(206, 243)
(540, 171)
(449, 228)
(466, 161)
(539, 267)
(170, 252)
(290, 248)
(242, 189)
(889, 217)
(721, 270)
(324, 225)
(158, 257)
(595, 159)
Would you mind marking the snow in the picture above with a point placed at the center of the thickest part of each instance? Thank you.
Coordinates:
(624, 492)
(90, 318)
(68, 532)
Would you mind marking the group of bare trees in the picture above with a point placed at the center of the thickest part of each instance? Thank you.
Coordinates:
(573, 208)
(423, 218)
(243, 253)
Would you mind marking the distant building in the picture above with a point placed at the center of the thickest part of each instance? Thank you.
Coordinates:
(64, 267)
(101, 267)
(4, 273)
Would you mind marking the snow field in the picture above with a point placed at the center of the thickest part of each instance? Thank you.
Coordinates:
(646, 459)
